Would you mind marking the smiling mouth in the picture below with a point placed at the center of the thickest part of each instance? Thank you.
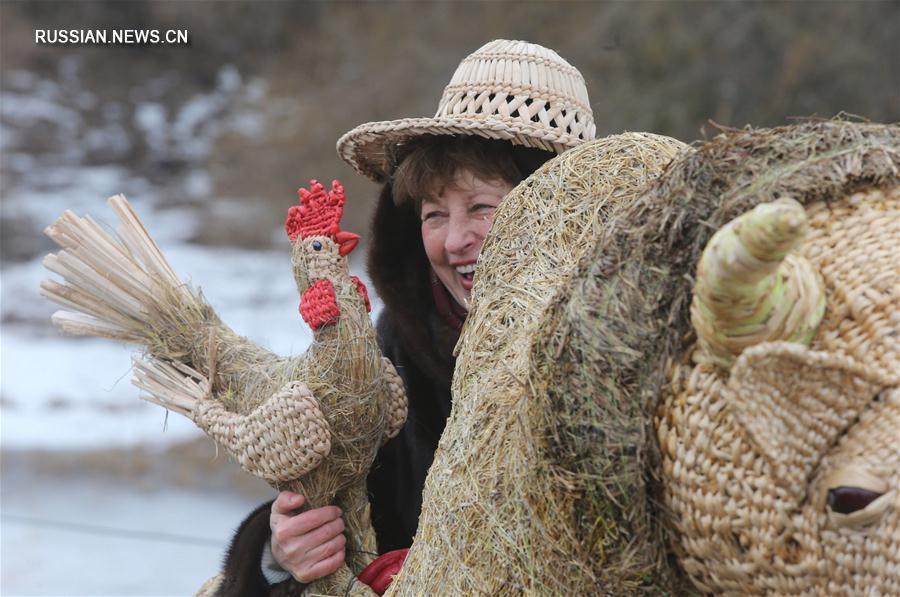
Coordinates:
(467, 272)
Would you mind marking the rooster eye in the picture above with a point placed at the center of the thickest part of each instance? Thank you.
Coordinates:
(316, 245)
(845, 500)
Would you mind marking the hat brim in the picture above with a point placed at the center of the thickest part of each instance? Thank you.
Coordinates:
(370, 148)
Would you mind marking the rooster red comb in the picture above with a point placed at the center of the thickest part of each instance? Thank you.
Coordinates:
(319, 212)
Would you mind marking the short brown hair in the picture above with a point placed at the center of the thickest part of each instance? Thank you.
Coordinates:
(432, 162)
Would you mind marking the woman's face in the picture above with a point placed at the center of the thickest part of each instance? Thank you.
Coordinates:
(454, 225)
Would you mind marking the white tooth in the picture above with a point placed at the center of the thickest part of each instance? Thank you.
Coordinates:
(466, 269)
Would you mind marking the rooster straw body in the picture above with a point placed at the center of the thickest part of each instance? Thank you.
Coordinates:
(311, 424)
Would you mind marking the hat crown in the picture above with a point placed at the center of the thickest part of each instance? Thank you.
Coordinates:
(513, 90)
(520, 81)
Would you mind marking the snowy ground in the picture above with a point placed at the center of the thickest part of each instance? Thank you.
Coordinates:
(103, 536)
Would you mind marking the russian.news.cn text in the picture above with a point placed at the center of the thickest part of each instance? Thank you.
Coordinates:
(111, 36)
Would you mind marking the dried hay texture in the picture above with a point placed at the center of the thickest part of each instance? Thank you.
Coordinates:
(620, 323)
(500, 515)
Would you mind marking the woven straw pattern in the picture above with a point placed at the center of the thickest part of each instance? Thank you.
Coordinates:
(319, 212)
(792, 402)
(363, 292)
(869, 565)
(319, 264)
(511, 90)
(855, 245)
(276, 453)
(397, 403)
(318, 305)
(749, 458)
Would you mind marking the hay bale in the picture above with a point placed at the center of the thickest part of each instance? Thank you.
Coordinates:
(623, 319)
(499, 515)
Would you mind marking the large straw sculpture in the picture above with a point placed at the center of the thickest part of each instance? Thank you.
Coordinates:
(499, 515)
(769, 439)
(311, 424)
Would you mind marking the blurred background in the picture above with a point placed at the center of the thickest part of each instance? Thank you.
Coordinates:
(105, 495)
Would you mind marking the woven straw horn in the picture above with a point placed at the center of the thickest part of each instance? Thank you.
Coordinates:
(751, 289)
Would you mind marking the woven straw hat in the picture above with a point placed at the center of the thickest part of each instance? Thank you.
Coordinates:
(512, 90)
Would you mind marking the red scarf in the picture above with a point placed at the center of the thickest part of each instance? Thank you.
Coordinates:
(450, 311)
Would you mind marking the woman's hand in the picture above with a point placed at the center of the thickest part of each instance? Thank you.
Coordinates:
(310, 544)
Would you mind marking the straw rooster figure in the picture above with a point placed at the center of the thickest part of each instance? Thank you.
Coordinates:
(311, 424)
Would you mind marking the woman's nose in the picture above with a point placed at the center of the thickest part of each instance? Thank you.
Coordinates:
(461, 236)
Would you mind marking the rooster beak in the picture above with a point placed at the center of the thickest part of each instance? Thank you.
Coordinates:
(347, 242)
